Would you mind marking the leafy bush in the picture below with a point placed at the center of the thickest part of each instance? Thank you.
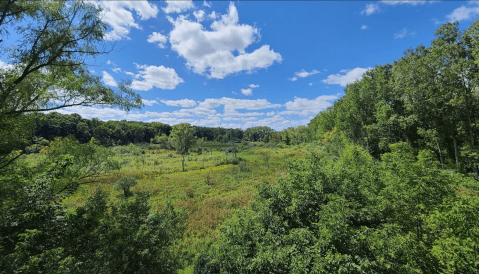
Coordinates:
(353, 214)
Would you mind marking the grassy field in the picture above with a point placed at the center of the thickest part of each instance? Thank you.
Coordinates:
(215, 185)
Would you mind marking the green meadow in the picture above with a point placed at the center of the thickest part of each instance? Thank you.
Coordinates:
(215, 185)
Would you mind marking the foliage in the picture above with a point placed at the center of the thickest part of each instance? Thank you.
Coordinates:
(124, 183)
(428, 98)
(352, 214)
(182, 137)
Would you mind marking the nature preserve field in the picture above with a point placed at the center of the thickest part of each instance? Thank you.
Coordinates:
(215, 185)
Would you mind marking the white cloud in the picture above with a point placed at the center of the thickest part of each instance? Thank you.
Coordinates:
(370, 9)
(186, 103)
(153, 76)
(199, 15)
(310, 84)
(464, 12)
(253, 86)
(232, 92)
(363, 27)
(175, 6)
(407, 2)
(224, 112)
(403, 33)
(109, 80)
(303, 74)
(247, 91)
(132, 74)
(220, 51)
(233, 104)
(437, 21)
(116, 69)
(159, 38)
(93, 112)
(118, 15)
(149, 102)
(304, 107)
(213, 15)
(345, 76)
(6, 66)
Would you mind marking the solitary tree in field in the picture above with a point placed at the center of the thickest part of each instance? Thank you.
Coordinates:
(183, 138)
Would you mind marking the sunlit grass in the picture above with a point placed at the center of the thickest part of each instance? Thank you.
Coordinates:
(211, 189)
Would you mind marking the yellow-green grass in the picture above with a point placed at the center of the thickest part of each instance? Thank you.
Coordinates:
(210, 190)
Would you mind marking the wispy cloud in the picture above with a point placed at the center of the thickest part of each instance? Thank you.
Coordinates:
(466, 12)
(403, 33)
(109, 80)
(370, 9)
(149, 102)
(303, 74)
(345, 76)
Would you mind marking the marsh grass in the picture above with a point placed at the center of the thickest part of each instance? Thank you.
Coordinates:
(213, 188)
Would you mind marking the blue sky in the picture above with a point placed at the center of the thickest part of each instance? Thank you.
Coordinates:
(247, 63)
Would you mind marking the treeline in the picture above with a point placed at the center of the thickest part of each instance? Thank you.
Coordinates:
(429, 99)
(380, 193)
(107, 133)
(110, 133)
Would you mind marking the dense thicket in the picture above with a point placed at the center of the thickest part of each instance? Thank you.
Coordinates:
(382, 193)
(429, 99)
(342, 211)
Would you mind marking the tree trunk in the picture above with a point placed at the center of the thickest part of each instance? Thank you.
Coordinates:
(440, 156)
(456, 153)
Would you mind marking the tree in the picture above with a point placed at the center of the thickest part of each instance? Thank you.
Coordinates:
(48, 69)
(183, 138)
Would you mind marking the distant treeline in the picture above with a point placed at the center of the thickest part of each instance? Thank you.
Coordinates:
(51, 125)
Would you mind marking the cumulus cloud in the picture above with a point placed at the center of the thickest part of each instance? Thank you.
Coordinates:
(213, 15)
(118, 14)
(220, 51)
(175, 6)
(247, 91)
(159, 38)
(303, 74)
(93, 112)
(403, 33)
(149, 102)
(233, 104)
(345, 76)
(213, 112)
(304, 107)
(464, 12)
(199, 15)
(253, 86)
(186, 103)
(363, 27)
(108, 79)
(153, 76)
(370, 9)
